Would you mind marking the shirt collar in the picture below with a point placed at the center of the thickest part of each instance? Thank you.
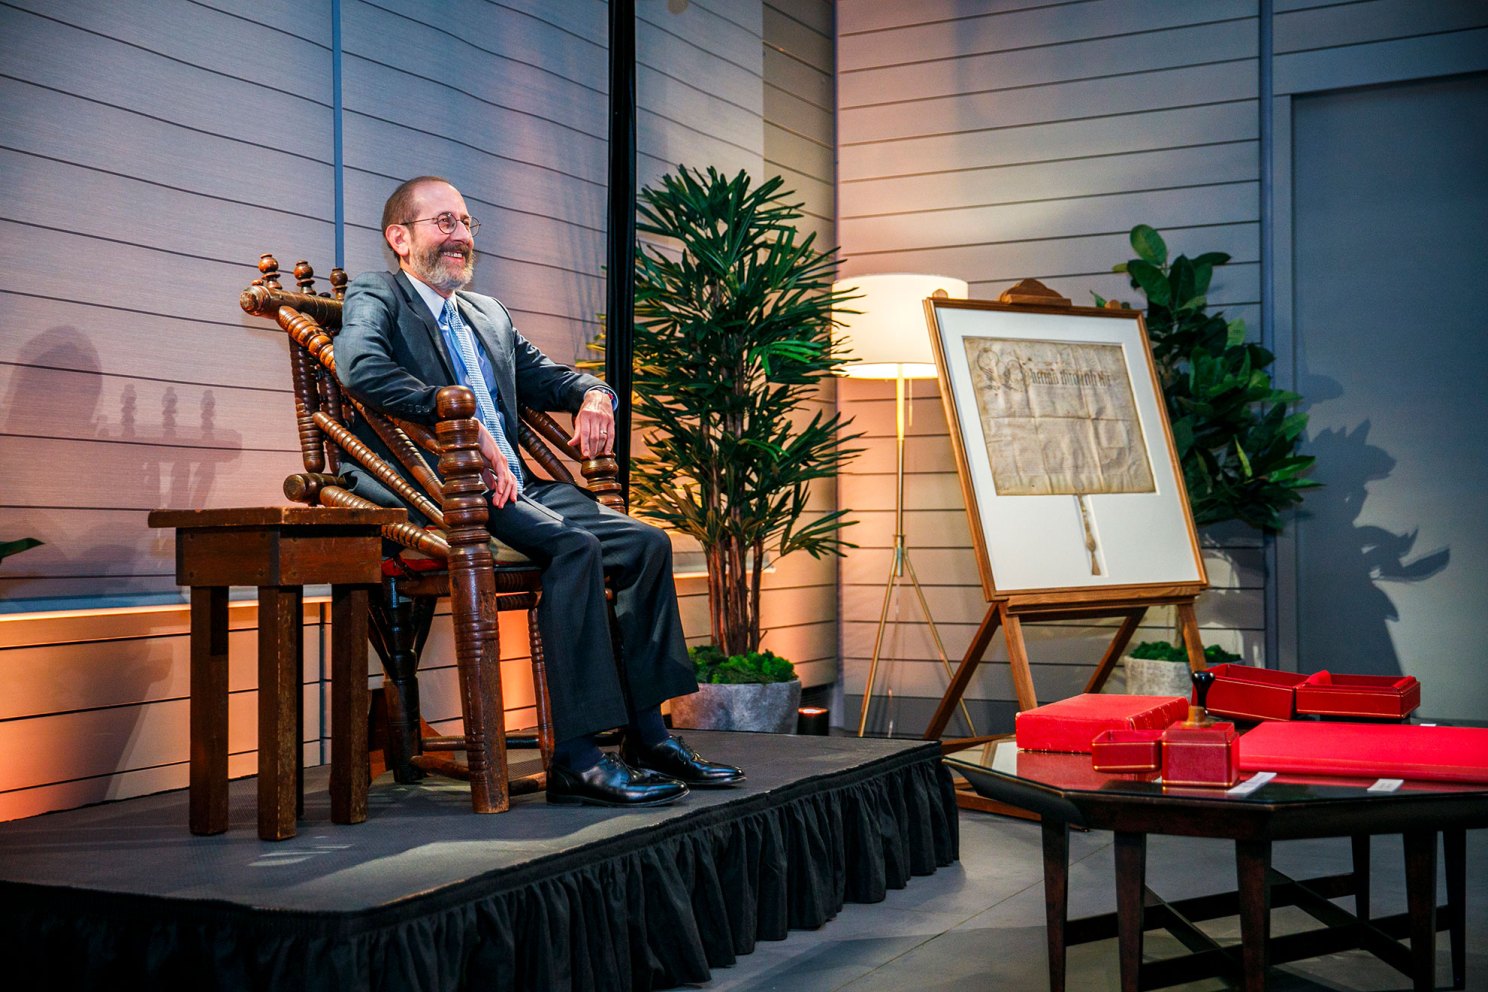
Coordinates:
(431, 299)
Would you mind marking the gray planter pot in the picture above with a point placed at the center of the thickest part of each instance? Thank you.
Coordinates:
(765, 707)
(1152, 677)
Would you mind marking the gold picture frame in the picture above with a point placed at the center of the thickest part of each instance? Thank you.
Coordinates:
(1072, 484)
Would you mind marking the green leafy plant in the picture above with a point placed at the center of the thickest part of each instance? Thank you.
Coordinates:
(1165, 651)
(1236, 440)
(751, 667)
(732, 339)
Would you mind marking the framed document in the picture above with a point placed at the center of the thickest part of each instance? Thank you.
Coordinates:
(1067, 464)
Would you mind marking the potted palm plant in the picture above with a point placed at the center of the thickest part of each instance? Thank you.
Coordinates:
(756, 691)
(733, 321)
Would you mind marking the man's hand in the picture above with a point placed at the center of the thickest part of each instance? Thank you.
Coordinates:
(594, 424)
(497, 473)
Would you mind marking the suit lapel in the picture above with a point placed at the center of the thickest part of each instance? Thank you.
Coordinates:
(433, 339)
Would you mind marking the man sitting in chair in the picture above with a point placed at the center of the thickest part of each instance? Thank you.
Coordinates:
(404, 335)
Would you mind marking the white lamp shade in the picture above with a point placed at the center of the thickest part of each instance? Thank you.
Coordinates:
(889, 336)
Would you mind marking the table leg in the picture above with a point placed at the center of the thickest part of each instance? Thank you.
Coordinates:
(1420, 899)
(349, 699)
(208, 717)
(279, 641)
(1454, 853)
(1360, 845)
(1056, 896)
(1131, 885)
(1252, 866)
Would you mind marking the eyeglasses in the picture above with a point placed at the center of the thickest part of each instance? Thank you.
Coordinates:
(447, 222)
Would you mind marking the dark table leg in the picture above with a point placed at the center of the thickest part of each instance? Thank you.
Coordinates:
(1131, 884)
(1420, 899)
(1056, 896)
(349, 698)
(1252, 866)
(1360, 844)
(280, 628)
(1454, 853)
(208, 793)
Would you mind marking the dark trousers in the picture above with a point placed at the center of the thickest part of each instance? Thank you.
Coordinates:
(577, 542)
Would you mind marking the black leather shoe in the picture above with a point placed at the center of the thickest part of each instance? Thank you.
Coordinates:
(611, 783)
(674, 758)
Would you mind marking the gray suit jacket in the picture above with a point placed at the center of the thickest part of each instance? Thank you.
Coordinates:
(390, 354)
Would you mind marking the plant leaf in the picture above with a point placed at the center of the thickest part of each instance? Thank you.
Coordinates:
(1149, 245)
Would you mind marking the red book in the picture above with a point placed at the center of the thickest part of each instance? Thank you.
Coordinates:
(1071, 724)
(1371, 750)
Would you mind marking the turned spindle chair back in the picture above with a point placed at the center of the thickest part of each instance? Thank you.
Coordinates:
(451, 557)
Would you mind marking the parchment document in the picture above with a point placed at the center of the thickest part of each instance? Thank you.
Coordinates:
(1059, 418)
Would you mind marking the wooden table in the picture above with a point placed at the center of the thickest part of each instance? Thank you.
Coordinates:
(280, 550)
(1065, 791)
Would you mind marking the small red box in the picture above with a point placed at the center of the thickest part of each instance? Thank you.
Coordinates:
(1201, 755)
(1071, 724)
(1248, 693)
(1115, 751)
(1389, 696)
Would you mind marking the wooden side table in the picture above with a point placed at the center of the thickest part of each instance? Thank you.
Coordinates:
(280, 550)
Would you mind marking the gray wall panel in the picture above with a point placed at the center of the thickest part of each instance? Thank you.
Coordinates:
(1373, 20)
(978, 33)
(1022, 142)
(1107, 135)
(1214, 83)
(1038, 66)
(1163, 169)
(167, 143)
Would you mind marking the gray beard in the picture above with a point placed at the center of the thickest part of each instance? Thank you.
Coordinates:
(428, 266)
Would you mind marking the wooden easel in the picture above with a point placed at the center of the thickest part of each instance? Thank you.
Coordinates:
(1010, 611)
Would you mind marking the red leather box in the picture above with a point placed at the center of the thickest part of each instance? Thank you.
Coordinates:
(1071, 724)
(1371, 750)
(1392, 697)
(1115, 751)
(1248, 693)
(1207, 756)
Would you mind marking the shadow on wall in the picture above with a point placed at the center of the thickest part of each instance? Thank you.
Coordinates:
(58, 401)
(1360, 559)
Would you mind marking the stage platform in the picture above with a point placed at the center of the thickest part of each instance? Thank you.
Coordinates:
(426, 895)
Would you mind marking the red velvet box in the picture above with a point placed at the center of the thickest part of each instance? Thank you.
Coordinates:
(1201, 755)
(1071, 724)
(1371, 750)
(1115, 751)
(1248, 693)
(1388, 696)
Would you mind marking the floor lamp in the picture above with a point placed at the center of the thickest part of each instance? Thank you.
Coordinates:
(890, 340)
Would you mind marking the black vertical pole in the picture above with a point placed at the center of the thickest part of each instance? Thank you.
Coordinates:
(620, 283)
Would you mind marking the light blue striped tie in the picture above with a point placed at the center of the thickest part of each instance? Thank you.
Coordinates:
(476, 380)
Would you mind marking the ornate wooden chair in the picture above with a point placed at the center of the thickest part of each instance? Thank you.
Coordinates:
(454, 556)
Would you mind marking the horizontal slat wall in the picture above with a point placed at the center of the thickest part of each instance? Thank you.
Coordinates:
(146, 162)
(799, 602)
(137, 197)
(166, 144)
(1330, 46)
(1021, 140)
(466, 90)
(95, 706)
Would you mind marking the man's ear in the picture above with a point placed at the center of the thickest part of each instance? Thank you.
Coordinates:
(397, 239)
